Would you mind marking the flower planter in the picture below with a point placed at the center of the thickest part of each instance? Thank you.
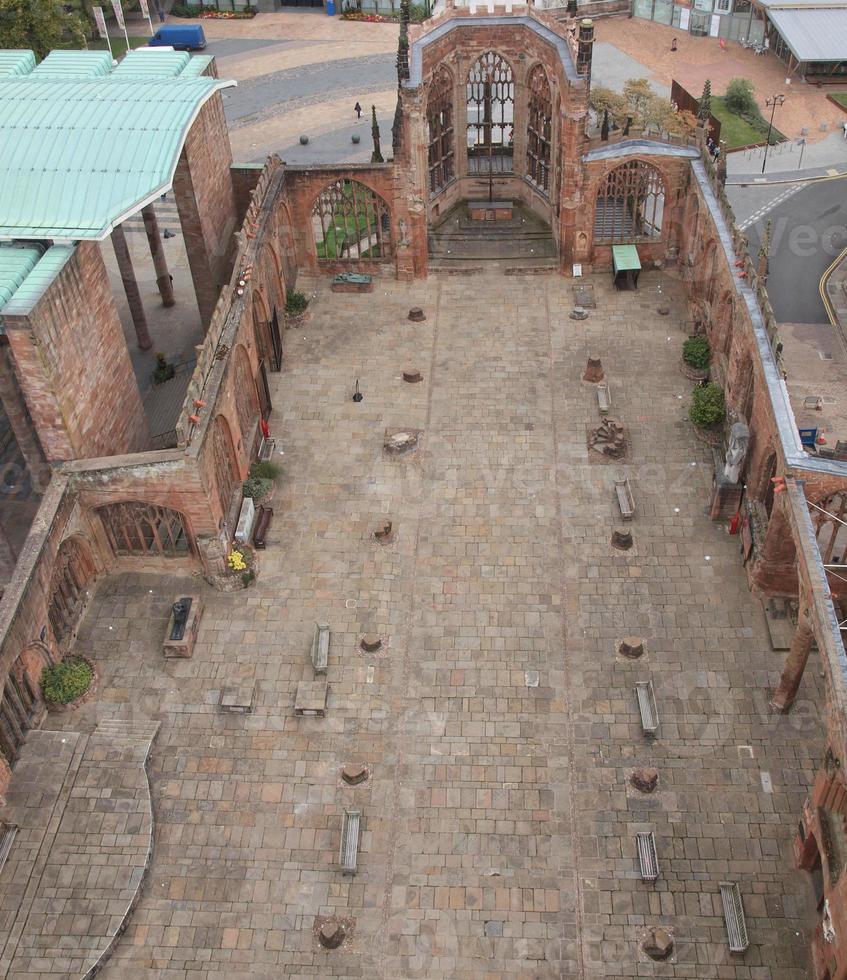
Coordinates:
(84, 697)
(712, 437)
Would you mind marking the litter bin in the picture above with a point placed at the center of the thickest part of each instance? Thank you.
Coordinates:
(330, 8)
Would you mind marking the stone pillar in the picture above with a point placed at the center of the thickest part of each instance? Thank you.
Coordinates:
(19, 418)
(795, 662)
(584, 47)
(163, 278)
(133, 295)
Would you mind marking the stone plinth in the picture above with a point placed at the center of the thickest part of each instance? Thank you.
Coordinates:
(185, 646)
(594, 371)
(490, 210)
(238, 698)
(352, 282)
(310, 699)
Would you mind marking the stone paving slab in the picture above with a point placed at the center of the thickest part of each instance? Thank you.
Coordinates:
(498, 826)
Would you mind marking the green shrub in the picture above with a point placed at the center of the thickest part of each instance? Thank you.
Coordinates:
(695, 353)
(163, 371)
(180, 9)
(708, 408)
(256, 487)
(740, 99)
(66, 681)
(296, 302)
(265, 470)
(248, 576)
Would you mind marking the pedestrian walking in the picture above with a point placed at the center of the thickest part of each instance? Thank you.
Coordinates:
(358, 110)
(160, 10)
(673, 44)
(844, 129)
(716, 152)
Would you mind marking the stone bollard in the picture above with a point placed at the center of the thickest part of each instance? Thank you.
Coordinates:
(354, 774)
(632, 647)
(412, 375)
(416, 314)
(370, 642)
(622, 540)
(594, 371)
(400, 442)
(331, 935)
(659, 944)
(382, 531)
(645, 779)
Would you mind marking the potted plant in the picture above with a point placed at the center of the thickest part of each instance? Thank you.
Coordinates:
(296, 304)
(241, 564)
(708, 411)
(69, 682)
(163, 371)
(696, 356)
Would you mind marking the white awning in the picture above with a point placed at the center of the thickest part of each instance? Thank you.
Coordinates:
(813, 34)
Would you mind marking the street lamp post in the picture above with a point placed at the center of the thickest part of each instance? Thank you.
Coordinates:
(771, 104)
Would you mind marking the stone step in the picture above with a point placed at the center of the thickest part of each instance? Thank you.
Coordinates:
(119, 728)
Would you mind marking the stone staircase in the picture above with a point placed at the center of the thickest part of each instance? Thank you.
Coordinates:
(459, 245)
(119, 728)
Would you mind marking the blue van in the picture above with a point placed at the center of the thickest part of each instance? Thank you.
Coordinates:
(189, 37)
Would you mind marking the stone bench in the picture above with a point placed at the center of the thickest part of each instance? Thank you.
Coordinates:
(647, 707)
(6, 840)
(733, 913)
(647, 858)
(320, 648)
(626, 502)
(310, 699)
(262, 526)
(604, 399)
(266, 449)
(348, 854)
(352, 282)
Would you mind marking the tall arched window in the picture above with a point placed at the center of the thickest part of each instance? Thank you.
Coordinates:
(73, 573)
(350, 222)
(539, 129)
(439, 120)
(491, 115)
(630, 205)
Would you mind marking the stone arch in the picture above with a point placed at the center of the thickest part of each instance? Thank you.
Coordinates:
(141, 529)
(73, 573)
(540, 137)
(246, 399)
(490, 107)
(351, 222)
(224, 462)
(629, 204)
(441, 136)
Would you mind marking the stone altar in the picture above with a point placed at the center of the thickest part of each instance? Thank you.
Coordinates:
(183, 624)
(352, 282)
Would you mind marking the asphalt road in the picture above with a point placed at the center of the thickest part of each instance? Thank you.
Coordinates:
(809, 231)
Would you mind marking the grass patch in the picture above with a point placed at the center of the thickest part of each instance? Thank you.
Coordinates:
(66, 681)
(840, 98)
(118, 44)
(736, 131)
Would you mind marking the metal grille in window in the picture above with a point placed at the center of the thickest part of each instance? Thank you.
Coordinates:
(630, 205)
(491, 115)
(135, 528)
(439, 118)
(540, 129)
(350, 223)
(72, 574)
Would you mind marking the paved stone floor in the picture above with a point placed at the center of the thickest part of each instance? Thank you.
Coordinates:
(498, 723)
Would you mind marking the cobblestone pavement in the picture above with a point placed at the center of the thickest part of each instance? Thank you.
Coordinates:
(498, 722)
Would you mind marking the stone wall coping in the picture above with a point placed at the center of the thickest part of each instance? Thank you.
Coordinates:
(631, 147)
(546, 33)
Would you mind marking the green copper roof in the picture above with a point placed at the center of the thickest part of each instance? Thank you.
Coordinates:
(15, 265)
(80, 155)
(34, 286)
(74, 64)
(153, 61)
(16, 62)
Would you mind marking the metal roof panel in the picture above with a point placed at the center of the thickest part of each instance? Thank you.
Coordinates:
(813, 34)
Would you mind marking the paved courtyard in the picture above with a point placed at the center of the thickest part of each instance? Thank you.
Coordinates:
(498, 722)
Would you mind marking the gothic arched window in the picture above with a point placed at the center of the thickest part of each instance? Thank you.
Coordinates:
(539, 129)
(350, 222)
(439, 120)
(630, 204)
(491, 115)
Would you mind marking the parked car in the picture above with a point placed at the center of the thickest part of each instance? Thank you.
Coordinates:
(187, 37)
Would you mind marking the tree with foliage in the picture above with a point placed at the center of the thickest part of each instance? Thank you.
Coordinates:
(704, 107)
(637, 93)
(645, 106)
(38, 24)
(740, 98)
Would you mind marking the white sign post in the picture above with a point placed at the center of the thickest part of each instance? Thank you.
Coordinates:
(100, 21)
(145, 9)
(119, 17)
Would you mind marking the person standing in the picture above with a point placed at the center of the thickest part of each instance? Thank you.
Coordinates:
(358, 110)
(673, 44)
(844, 129)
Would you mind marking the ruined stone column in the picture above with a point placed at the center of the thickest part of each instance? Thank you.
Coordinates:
(133, 295)
(14, 406)
(795, 663)
(160, 263)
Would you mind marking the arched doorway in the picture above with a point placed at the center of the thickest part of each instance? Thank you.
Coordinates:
(224, 463)
(491, 115)
(351, 223)
(441, 144)
(630, 205)
(73, 573)
(138, 529)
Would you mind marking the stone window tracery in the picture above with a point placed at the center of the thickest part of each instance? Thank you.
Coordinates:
(73, 572)
(630, 205)
(439, 118)
(139, 529)
(539, 129)
(350, 223)
(491, 115)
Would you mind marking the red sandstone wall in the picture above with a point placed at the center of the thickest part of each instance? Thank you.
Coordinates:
(73, 367)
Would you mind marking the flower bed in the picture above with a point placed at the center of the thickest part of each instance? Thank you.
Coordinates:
(228, 14)
(68, 683)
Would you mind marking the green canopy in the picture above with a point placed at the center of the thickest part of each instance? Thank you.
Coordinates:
(625, 257)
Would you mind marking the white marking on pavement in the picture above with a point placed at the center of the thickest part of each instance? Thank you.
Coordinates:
(779, 199)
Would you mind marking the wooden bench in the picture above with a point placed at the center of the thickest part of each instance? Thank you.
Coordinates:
(349, 851)
(733, 913)
(647, 707)
(266, 449)
(261, 527)
(604, 399)
(320, 648)
(626, 501)
(647, 858)
(8, 836)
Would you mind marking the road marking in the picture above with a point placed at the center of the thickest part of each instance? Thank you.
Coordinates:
(832, 172)
(779, 199)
